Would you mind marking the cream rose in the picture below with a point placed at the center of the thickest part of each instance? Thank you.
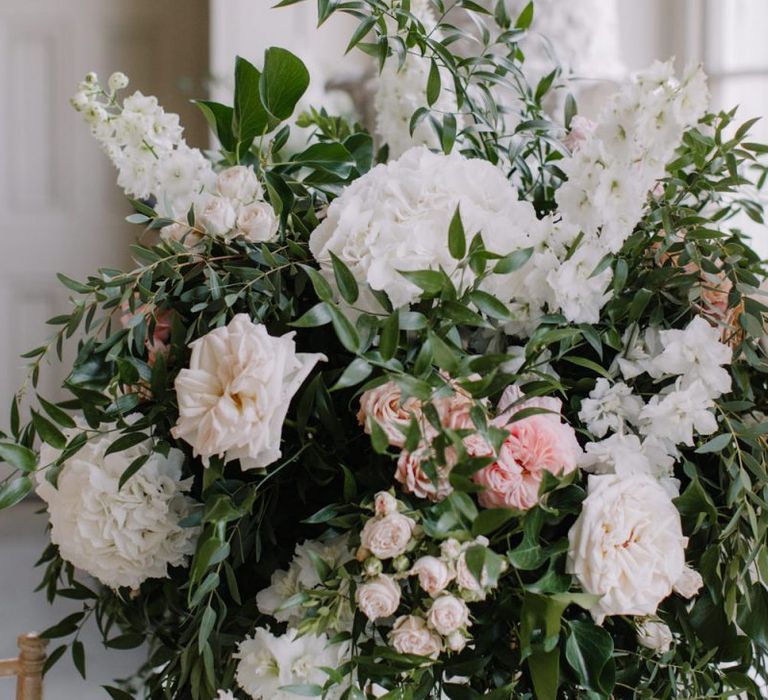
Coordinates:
(655, 635)
(434, 574)
(384, 503)
(456, 641)
(382, 405)
(378, 597)
(627, 545)
(257, 222)
(689, 583)
(239, 182)
(234, 396)
(448, 614)
(410, 635)
(216, 215)
(387, 537)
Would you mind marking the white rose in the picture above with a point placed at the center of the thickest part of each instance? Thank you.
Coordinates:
(627, 545)
(216, 215)
(122, 535)
(387, 537)
(448, 614)
(689, 583)
(378, 597)
(257, 222)
(239, 182)
(434, 575)
(181, 234)
(456, 641)
(450, 549)
(655, 635)
(410, 635)
(384, 503)
(234, 397)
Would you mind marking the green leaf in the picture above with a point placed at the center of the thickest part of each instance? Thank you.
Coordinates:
(318, 315)
(132, 468)
(544, 667)
(430, 281)
(14, 491)
(357, 371)
(320, 284)
(207, 622)
(78, 656)
(589, 651)
(124, 442)
(18, 456)
(390, 334)
(716, 444)
(345, 331)
(57, 414)
(220, 118)
(250, 119)
(525, 18)
(433, 83)
(513, 261)
(457, 240)
(345, 280)
(303, 689)
(116, 693)
(490, 305)
(492, 519)
(284, 80)
(74, 285)
(48, 432)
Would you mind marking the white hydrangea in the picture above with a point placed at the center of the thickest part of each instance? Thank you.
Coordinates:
(120, 535)
(609, 407)
(696, 355)
(627, 545)
(267, 662)
(396, 217)
(301, 575)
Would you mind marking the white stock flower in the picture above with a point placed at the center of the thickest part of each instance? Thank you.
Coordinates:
(675, 417)
(655, 635)
(257, 222)
(234, 396)
(448, 614)
(120, 535)
(696, 354)
(387, 537)
(609, 407)
(577, 292)
(433, 573)
(266, 662)
(396, 218)
(378, 597)
(627, 545)
(239, 183)
(410, 635)
(689, 583)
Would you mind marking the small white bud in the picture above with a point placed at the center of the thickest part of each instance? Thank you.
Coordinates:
(117, 81)
(91, 79)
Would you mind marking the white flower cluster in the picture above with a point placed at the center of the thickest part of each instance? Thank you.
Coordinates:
(120, 535)
(627, 544)
(445, 579)
(268, 663)
(146, 145)
(301, 575)
(611, 172)
(396, 218)
(400, 91)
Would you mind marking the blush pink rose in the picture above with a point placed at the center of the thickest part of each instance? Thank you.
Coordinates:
(415, 480)
(534, 445)
(383, 404)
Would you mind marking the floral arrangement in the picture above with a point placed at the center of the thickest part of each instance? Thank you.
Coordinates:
(485, 418)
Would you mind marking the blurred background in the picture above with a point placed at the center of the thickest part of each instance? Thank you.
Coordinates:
(62, 211)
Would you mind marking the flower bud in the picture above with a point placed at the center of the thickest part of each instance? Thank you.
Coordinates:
(401, 563)
(117, 81)
(372, 566)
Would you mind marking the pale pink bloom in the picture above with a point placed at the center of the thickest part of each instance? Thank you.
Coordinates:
(448, 614)
(379, 597)
(434, 574)
(384, 503)
(410, 635)
(386, 537)
(536, 444)
(581, 129)
(415, 480)
(383, 405)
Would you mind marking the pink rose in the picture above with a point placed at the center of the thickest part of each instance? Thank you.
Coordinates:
(434, 574)
(384, 503)
(382, 404)
(386, 537)
(410, 635)
(378, 597)
(415, 480)
(448, 614)
(534, 445)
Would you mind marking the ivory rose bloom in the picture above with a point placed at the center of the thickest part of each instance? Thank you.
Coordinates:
(382, 404)
(239, 182)
(627, 545)
(655, 635)
(434, 574)
(257, 222)
(217, 215)
(410, 635)
(415, 480)
(121, 535)
(379, 597)
(384, 503)
(386, 537)
(534, 445)
(448, 614)
(234, 396)
(689, 583)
